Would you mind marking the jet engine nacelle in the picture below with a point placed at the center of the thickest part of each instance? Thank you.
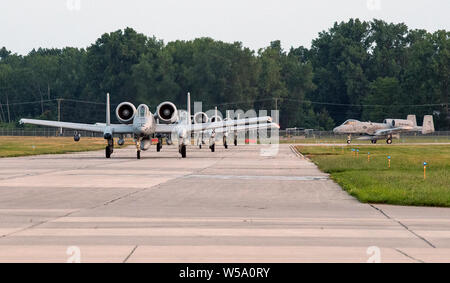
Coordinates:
(213, 119)
(125, 112)
(167, 112)
(393, 123)
(200, 118)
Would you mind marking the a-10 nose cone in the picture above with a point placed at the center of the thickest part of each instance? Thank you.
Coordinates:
(336, 130)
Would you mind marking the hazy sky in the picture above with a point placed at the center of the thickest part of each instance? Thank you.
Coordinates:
(27, 24)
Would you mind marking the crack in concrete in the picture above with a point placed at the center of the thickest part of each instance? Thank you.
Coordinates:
(408, 256)
(403, 225)
(130, 254)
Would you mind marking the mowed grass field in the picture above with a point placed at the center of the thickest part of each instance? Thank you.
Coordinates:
(23, 146)
(343, 140)
(373, 182)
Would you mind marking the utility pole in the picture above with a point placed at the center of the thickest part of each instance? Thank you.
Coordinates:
(7, 107)
(2, 116)
(59, 114)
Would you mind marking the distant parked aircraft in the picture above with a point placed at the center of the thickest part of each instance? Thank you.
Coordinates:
(386, 130)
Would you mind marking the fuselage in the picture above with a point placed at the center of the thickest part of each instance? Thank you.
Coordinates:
(143, 123)
(357, 127)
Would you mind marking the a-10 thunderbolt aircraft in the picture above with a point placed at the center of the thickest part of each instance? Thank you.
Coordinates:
(167, 121)
(386, 130)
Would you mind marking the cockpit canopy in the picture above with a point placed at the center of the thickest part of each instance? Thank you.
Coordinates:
(350, 122)
(143, 111)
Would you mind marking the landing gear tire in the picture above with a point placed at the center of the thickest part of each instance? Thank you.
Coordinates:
(212, 147)
(183, 151)
(225, 143)
(138, 154)
(349, 141)
(200, 146)
(158, 147)
(374, 141)
(235, 142)
(108, 152)
(389, 141)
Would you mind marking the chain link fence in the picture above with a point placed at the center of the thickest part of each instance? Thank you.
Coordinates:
(286, 136)
(312, 136)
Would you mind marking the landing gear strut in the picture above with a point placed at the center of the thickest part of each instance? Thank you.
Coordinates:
(109, 148)
(138, 147)
(225, 142)
(349, 139)
(159, 145)
(183, 151)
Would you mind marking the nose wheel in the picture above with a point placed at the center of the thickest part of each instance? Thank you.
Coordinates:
(212, 147)
(138, 154)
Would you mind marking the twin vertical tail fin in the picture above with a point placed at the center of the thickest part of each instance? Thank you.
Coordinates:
(428, 125)
(413, 119)
(108, 111)
(189, 117)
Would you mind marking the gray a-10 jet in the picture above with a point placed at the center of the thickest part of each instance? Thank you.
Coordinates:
(387, 130)
(143, 125)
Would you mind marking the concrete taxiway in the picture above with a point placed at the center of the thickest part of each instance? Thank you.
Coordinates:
(235, 205)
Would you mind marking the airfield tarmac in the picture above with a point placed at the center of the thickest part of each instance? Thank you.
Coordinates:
(233, 205)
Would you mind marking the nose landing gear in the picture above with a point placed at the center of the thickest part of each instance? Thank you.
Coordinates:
(137, 140)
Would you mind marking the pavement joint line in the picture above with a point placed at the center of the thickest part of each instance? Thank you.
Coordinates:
(37, 224)
(296, 152)
(260, 177)
(130, 254)
(403, 225)
(408, 256)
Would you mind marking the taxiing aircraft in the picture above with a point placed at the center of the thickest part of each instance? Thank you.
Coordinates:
(144, 125)
(386, 130)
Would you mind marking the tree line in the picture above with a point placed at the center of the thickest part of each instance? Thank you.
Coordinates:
(356, 69)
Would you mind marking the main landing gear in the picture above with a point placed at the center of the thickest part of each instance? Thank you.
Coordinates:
(373, 141)
(389, 140)
(212, 147)
(225, 142)
(349, 139)
(182, 150)
(109, 148)
(159, 145)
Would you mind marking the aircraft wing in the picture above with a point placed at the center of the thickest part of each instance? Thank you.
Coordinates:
(248, 127)
(99, 128)
(392, 131)
(169, 128)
